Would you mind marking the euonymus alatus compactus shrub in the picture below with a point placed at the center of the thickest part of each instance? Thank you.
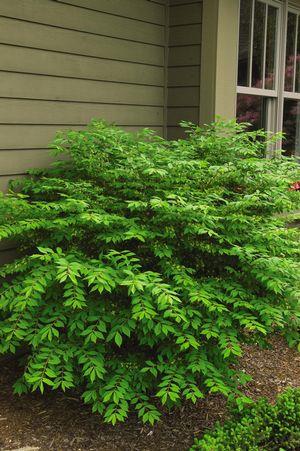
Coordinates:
(146, 263)
(262, 427)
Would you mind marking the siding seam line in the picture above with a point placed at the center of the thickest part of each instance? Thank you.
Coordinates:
(82, 101)
(80, 31)
(79, 78)
(109, 14)
(82, 55)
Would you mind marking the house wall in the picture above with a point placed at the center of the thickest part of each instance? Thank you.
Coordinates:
(65, 62)
(185, 30)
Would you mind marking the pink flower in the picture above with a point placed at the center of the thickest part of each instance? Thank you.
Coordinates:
(295, 186)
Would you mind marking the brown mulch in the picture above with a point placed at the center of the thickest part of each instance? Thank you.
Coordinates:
(61, 422)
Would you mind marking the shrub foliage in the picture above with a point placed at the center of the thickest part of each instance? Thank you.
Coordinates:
(146, 263)
(263, 427)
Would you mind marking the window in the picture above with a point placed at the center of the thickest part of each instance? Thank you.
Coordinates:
(253, 109)
(291, 127)
(291, 97)
(268, 85)
(258, 45)
(258, 58)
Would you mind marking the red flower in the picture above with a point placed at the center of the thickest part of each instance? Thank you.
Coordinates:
(295, 186)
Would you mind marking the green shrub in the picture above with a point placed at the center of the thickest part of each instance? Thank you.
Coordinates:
(146, 264)
(263, 427)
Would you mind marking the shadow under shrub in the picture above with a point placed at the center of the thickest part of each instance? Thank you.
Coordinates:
(264, 426)
(146, 264)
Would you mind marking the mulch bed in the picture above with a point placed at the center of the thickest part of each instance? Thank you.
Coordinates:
(61, 422)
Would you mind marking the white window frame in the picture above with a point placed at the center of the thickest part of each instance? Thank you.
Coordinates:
(281, 69)
(282, 93)
(273, 107)
(278, 94)
(292, 94)
(263, 91)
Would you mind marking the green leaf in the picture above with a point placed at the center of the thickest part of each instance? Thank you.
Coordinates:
(118, 339)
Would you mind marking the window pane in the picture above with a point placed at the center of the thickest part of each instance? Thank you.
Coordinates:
(244, 42)
(271, 48)
(297, 87)
(290, 52)
(258, 44)
(291, 127)
(252, 109)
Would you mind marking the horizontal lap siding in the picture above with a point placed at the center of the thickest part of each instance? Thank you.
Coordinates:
(45, 62)
(60, 15)
(16, 161)
(27, 111)
(34, 35)
(147, 11)
(13, 136)
(185, 28)
(65, 62)
(42, 87)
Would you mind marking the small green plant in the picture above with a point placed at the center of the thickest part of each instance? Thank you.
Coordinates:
(146, 263)
(263, 427)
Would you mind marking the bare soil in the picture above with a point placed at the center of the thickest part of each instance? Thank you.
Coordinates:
(61, 422)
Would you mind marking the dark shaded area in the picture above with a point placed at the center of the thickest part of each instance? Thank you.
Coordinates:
(252, 109)
(291, 115)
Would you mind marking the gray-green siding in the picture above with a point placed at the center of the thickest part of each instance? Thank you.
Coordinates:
(185, 28)
(64, 62)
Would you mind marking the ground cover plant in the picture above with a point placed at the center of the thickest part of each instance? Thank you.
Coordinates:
(146, 263)
(264, 426)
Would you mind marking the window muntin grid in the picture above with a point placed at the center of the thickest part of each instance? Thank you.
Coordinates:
(258, 45)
